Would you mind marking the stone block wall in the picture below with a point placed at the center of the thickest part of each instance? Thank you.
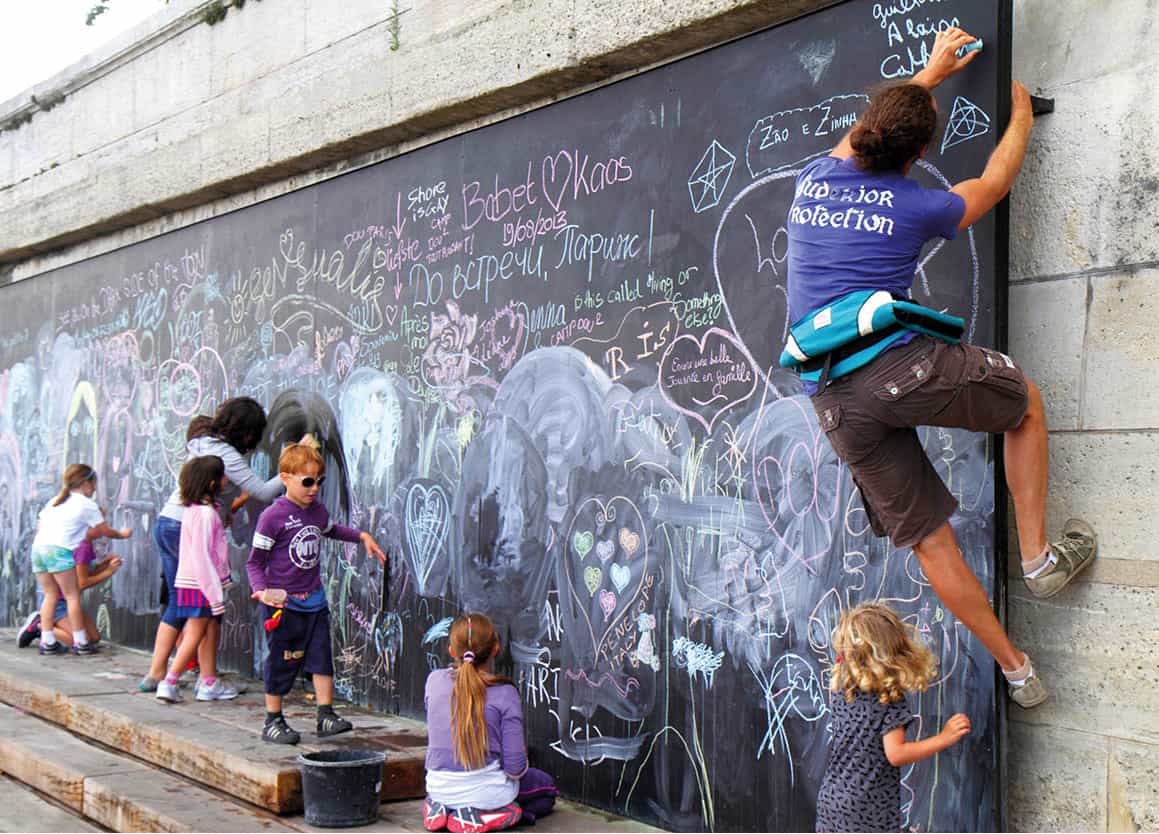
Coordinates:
(177, 121)
(1084, 300)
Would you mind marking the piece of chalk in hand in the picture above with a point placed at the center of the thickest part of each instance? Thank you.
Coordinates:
(968, 48)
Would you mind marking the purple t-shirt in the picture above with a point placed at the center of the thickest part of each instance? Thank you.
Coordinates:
(288, 544)
(850, 230)
(503, 714)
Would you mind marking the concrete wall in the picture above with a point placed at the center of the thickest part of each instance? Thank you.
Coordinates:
(176, 114)
(1084, 299)
(177, 121)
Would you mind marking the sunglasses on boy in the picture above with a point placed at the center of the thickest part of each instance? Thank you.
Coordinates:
(308, 482)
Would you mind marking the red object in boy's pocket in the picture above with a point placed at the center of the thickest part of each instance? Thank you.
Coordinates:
(274, 621)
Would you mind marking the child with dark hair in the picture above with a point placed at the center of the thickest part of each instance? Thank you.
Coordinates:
(478, 778)
(233, 432)
(199, 426)
(283, 570)
(202, 579)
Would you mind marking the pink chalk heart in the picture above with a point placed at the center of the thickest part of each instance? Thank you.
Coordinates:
(556, 174)
(608, 603)
(629, 541)
(592, 578)
(705, 377)
(606, 550)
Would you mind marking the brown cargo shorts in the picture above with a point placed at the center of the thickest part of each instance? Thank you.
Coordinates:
(871, 415)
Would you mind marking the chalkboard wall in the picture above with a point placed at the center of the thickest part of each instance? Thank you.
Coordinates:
(542, 356)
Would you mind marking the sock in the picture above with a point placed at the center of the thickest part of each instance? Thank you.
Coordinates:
(208, 680)
(271, 717)
(1019, 676)
(80, 638)
(171, 680)
(324, 710)
(48, 638)
(1040, 565)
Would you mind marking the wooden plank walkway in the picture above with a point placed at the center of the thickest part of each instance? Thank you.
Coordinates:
(77, 730)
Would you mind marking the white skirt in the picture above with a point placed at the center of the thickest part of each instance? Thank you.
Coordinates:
(486, 789)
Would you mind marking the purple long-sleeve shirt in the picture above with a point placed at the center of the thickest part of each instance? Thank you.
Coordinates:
(503, 714)
(287, 545)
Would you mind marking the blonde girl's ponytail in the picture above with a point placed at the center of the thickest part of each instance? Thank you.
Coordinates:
(473, 643)
(75, 476)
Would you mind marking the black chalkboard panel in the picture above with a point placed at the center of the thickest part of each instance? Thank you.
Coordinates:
(541, 356)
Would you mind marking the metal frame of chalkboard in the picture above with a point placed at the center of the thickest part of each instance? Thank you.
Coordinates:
(1001, 337)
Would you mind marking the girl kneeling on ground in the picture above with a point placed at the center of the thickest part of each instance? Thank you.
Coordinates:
(477, 774)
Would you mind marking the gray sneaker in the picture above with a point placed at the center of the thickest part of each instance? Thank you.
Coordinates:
(218, 692)
(1030, 693)
(168, 692)
(1073, 552)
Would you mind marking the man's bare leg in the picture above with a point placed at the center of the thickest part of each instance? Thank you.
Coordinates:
(1046, 568)
(1027, 468)
(956, 586)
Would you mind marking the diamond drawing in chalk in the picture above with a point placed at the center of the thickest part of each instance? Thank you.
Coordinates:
(710, 177)
(967, 121)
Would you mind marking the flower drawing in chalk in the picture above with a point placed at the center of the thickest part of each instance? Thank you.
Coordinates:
(646, 652)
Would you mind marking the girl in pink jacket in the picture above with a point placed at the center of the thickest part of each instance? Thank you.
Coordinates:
(202, 575)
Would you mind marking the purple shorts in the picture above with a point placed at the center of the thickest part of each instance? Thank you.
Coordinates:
(537, 793)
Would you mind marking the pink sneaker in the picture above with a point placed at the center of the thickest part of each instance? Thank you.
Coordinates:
(475, 821)
(434, 815)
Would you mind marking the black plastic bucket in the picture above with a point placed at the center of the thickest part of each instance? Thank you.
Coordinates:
(340, 788)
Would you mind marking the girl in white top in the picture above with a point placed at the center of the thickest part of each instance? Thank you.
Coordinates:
(65, 522)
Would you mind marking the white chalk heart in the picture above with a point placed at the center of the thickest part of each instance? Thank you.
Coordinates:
(621, 575)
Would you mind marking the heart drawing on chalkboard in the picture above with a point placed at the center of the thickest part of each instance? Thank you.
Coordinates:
(608, 603)
(615, 591)
(621, 576)
(592, 578)
(629, 541)
(556, 176)
(428, 517)
(582, 542)
(705, 377)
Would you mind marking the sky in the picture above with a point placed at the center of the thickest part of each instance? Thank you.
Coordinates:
(38, 38)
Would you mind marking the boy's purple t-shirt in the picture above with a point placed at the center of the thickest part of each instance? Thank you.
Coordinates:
(287, 545)
(851, 230)
(504, 716)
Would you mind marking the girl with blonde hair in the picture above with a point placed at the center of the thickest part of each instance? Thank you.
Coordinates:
(477, 774)
(879, 659)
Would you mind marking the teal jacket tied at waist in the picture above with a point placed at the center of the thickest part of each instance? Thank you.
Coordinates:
(853, 330)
